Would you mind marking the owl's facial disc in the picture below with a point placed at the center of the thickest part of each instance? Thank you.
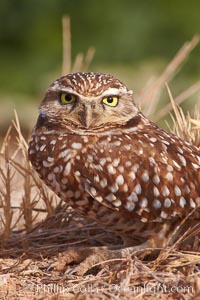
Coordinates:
(92, 112)
(88, 101)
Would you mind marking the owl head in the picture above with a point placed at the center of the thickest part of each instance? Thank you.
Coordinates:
(87, 101)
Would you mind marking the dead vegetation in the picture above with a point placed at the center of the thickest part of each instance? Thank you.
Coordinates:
(37, 229)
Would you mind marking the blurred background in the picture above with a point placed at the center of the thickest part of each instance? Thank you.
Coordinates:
(134, 40)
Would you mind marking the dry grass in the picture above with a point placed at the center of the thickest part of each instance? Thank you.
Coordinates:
(37, 228)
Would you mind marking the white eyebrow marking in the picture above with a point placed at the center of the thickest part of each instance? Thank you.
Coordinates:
(112, 91)
(108, 92)
(62, 89)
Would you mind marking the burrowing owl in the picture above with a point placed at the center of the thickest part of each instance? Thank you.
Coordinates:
(95, 149)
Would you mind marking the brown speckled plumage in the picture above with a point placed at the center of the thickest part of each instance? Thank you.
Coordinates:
(111, 163)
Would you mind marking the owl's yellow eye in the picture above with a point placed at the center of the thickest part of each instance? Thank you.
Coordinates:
(111, 101)
(67, 98)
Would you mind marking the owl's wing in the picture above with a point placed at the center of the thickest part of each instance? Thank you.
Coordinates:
(97, 193)
(150, 178)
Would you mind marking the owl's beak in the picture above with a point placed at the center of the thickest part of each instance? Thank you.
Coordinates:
(86, 115)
